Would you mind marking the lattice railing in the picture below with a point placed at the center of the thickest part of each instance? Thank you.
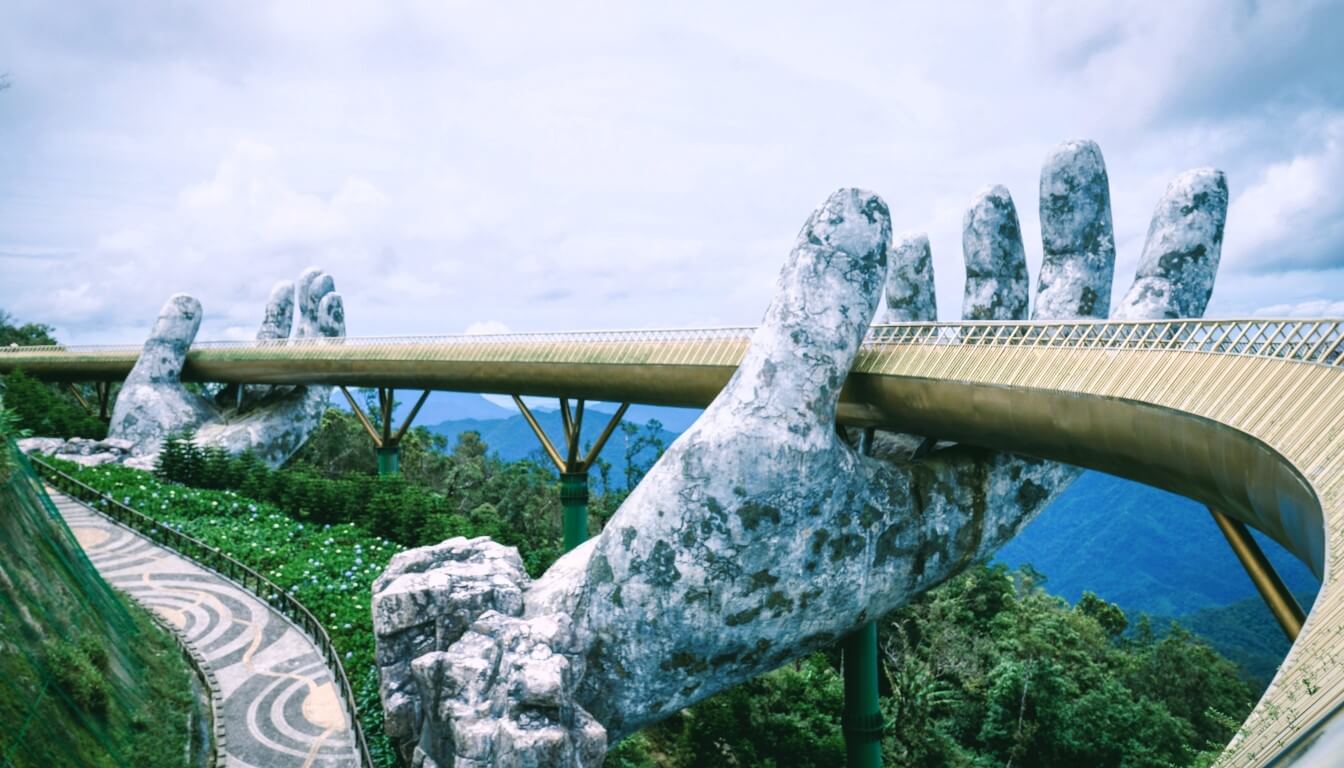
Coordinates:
(1317, 341)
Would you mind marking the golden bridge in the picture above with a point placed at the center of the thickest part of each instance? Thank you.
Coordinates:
(1245, 416)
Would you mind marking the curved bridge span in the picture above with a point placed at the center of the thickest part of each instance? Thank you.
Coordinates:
(1246, 416)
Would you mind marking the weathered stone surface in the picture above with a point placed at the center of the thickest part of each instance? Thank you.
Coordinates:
(1076, 234)
(279, 317)
(759, 536)
(45, 446)
(93, 459)
(996, 263)
(114, 445)
(910, 295)
(153, 403)
(273, 422)
(463, 677)
(1180, 256)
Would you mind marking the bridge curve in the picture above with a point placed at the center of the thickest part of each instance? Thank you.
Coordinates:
(1246, 416)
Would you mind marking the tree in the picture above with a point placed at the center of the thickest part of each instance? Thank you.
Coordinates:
(28, 334)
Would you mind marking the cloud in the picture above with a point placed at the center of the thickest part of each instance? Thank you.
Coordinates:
(584, 166)
(1292, 217)
(1310, 308)
(486, 328)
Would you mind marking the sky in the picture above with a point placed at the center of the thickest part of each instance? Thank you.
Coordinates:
(562, 166)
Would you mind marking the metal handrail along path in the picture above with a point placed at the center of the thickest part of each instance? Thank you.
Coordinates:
(212, 558)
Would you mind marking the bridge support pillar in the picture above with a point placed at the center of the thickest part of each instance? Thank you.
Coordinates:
(574, 502)
(389, 460)
(862, 715)
(1267, 582)
(573, 468)
(386, 441)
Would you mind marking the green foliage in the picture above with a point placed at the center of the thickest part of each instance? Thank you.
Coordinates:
(990, 669)
(643, 446)
(80, 669)
(788, 717)
(44, 410)
(9, 430)
(463, 493)
(86, 677)
(1108, 615)
(26, 335)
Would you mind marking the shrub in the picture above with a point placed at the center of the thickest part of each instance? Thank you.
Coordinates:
(45, 411)
(81, 677)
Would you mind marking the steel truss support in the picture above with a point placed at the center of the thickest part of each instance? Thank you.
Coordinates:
(103, 391)
(573, 469)
(385, 440)
(1276, 595)
(862, 715)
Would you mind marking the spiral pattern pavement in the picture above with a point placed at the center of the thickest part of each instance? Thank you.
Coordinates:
(278, 704)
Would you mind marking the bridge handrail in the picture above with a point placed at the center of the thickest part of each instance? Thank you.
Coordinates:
(210, 557)
(1310, 340)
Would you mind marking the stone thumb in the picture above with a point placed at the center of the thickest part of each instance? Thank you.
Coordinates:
(165, 351)
(824, 300)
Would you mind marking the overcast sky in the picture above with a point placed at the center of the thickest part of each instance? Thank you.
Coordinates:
(559, 166)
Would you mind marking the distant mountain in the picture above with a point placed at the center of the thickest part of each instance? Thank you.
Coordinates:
(439, 406)
(1245, 632)
(442, 407)
(1142, 548)
(513, 439)
(676, 420)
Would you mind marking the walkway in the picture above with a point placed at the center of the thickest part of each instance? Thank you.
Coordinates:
(279, 705)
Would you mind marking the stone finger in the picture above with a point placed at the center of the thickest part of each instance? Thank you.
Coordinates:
(313, 285)
(331, 315)
(1076, 235)
(996, 263)
(279, 318)
(165, 350)
(1180, 257)
(910, 294)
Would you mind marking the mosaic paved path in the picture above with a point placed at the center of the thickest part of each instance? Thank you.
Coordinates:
(280, 707)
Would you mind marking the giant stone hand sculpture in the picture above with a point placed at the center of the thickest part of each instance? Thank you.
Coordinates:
(272, 422)
(760, 535)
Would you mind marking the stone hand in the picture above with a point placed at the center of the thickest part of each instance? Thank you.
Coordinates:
(273, 422)
(760, 535)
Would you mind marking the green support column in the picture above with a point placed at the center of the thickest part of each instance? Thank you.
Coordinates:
(862, 718)
(574, 502)
(389, 460)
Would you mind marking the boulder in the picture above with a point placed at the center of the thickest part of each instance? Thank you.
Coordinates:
(45, 446)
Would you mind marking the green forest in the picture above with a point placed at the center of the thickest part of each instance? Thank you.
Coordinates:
(987, 669)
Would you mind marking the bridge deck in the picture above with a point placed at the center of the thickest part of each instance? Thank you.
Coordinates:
(1246, 416)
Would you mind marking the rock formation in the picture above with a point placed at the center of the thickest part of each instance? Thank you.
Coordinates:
(272, 422)
(996, 263)
(1180, 256)
(910, 296)
(759, 536)
(1076, 238)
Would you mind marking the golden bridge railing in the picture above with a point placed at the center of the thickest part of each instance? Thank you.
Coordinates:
(1318, 341)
